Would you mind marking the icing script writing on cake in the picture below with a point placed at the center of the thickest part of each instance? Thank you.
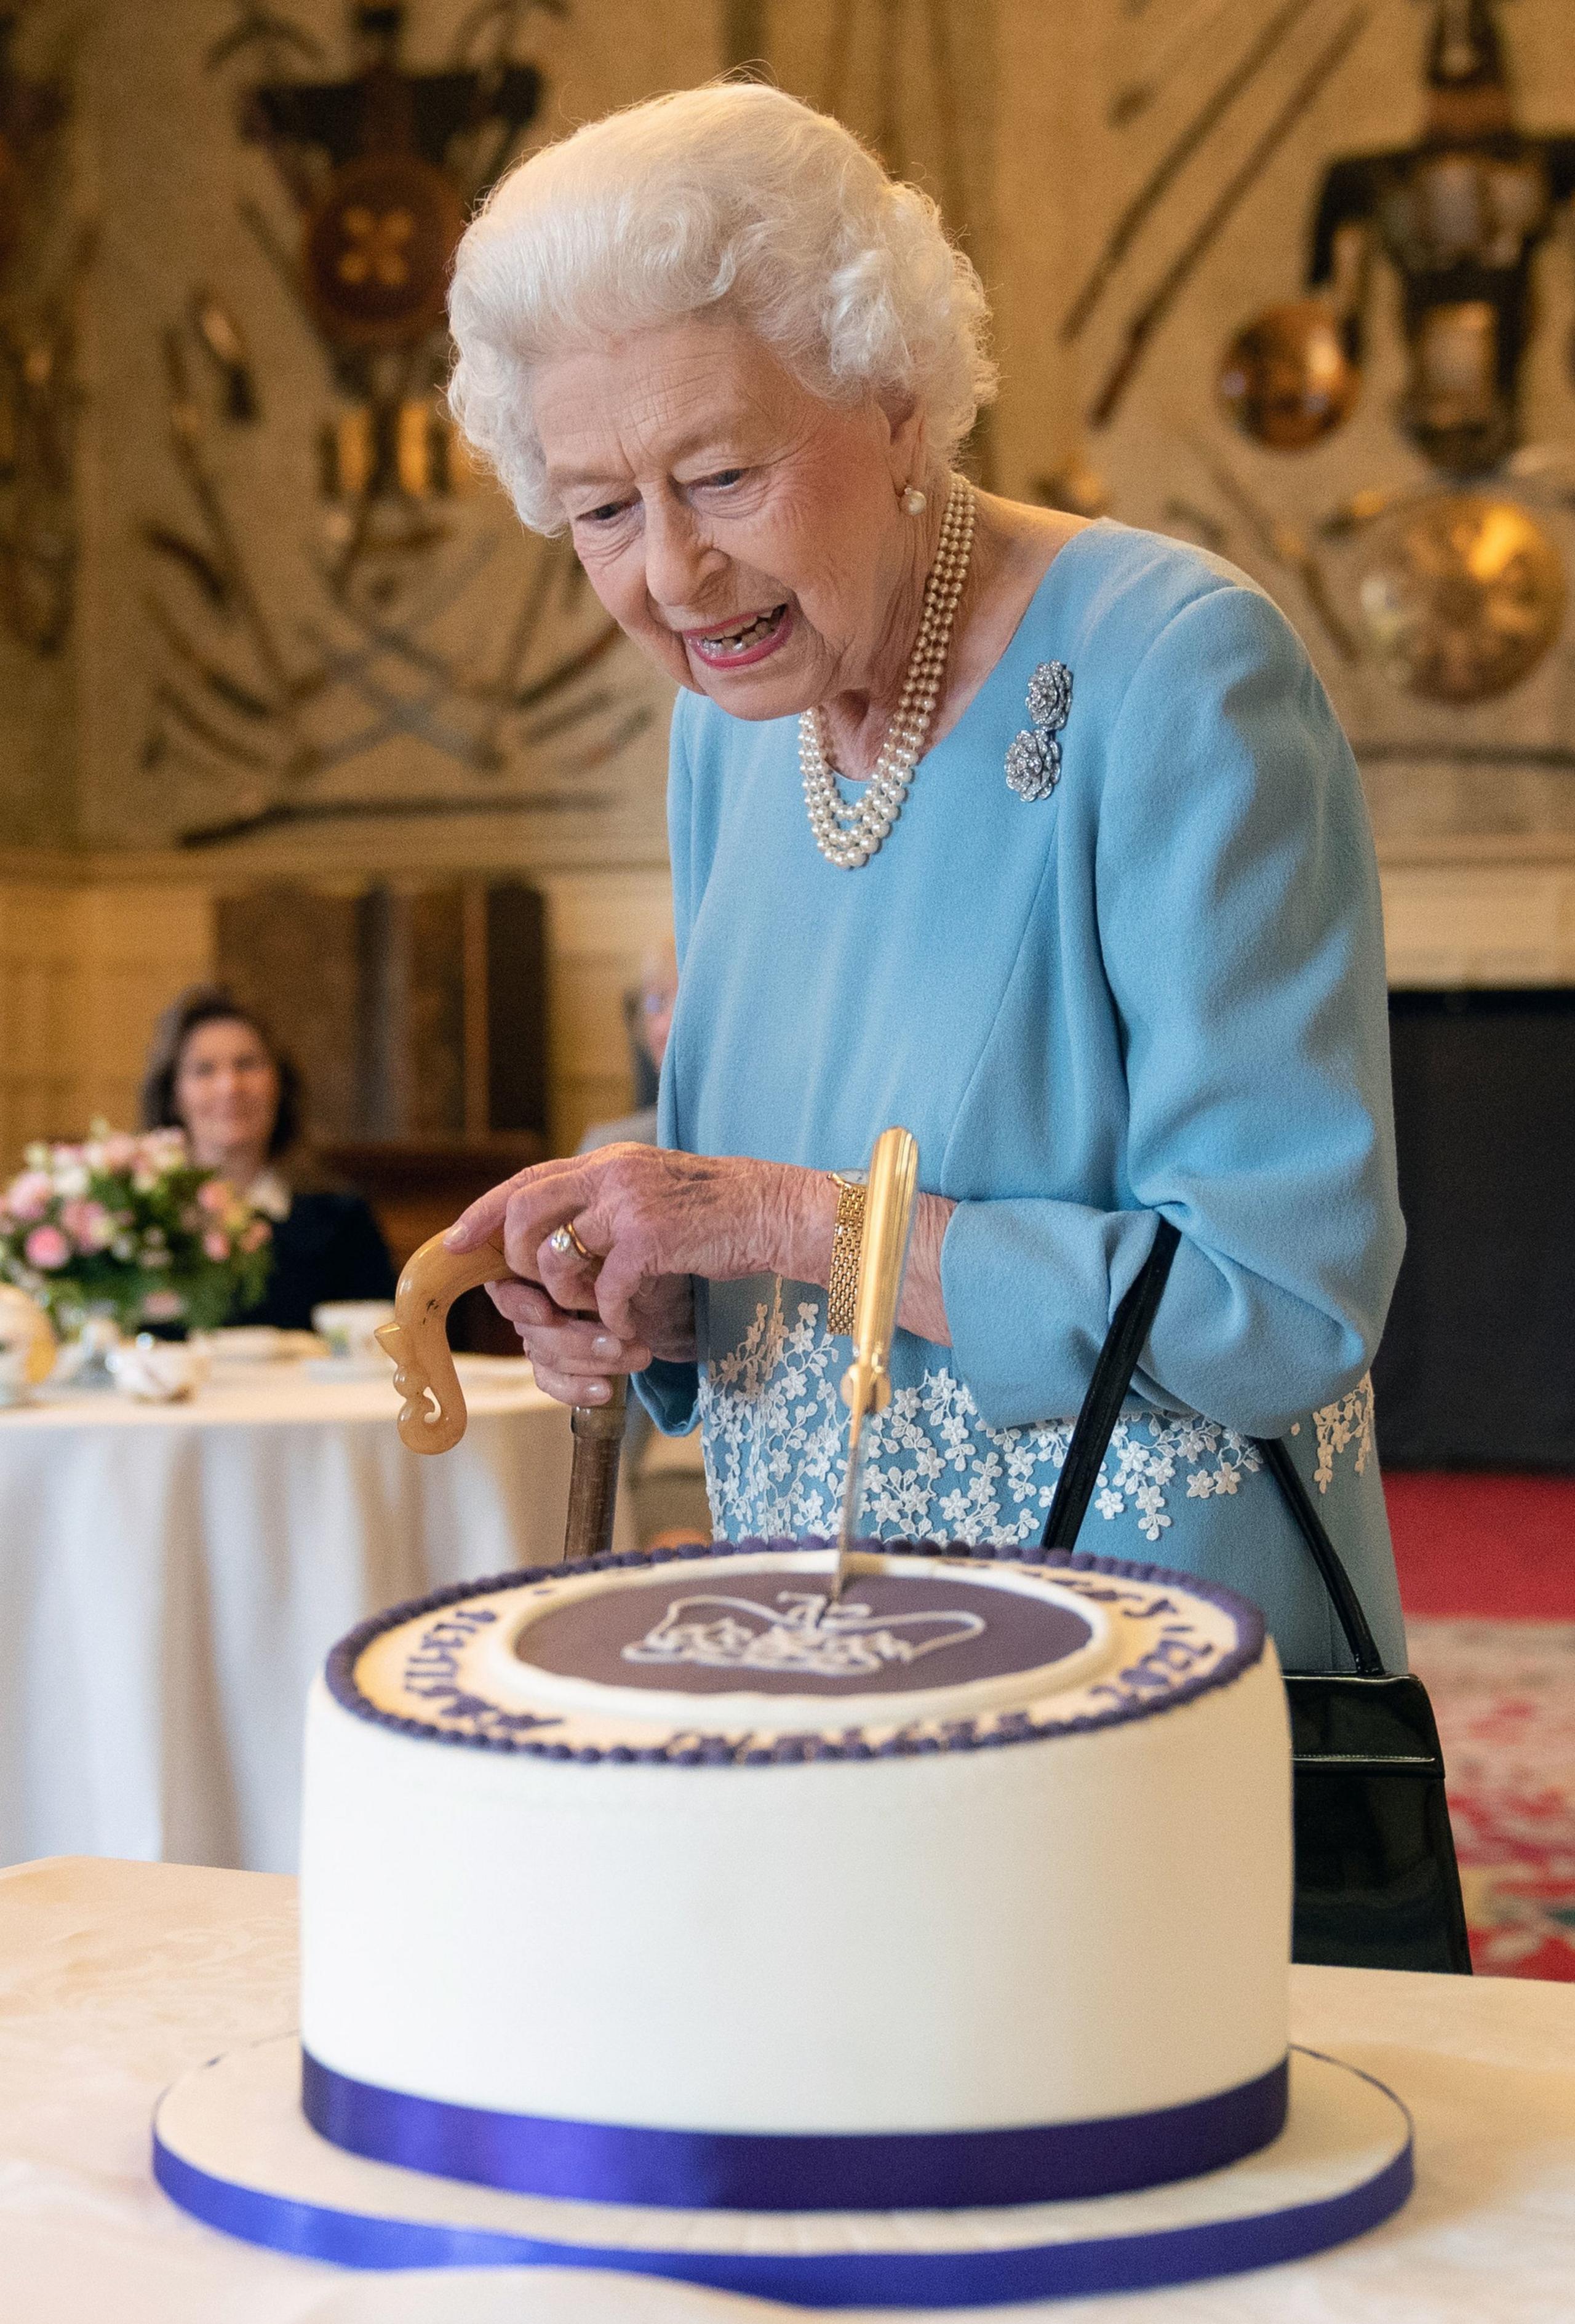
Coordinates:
(811, 1639)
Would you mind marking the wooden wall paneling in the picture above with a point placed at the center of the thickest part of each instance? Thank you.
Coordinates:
(509, 994)
(430, 1050)
(37, 994)
(416, 1010)
(1510, 924)
(135, 948)
(84, 972)
(88, 960)
(294, 955)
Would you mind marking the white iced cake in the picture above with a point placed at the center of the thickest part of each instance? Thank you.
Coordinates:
(659, 1881)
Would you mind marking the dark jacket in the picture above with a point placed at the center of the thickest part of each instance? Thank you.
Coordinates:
(328, 1247)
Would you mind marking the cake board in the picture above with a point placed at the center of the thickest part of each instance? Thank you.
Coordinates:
(232, 2147)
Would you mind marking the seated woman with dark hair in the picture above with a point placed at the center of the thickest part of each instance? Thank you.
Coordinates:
(216, 1072)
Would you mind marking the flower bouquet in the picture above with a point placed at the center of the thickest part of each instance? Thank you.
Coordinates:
(131, 1227)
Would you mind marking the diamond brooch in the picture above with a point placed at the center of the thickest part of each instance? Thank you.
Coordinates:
(1033, 760)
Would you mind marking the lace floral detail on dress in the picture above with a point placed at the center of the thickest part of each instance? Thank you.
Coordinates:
(775, 1435)
(1347, 1420)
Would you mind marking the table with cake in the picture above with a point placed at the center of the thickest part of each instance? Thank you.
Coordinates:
(834, 1926)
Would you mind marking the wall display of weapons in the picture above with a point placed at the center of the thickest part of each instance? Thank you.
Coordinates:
(1323, 327)
(1289, 277)
(336, 621)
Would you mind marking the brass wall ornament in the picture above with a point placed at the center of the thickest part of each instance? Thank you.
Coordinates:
(377, 246)
(1145, 319)
(1455, 595)
(1287, 379)
(383, 165)
(1461, 596)
(377, 251)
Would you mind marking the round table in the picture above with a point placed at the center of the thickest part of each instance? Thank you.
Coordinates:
(172, 1576)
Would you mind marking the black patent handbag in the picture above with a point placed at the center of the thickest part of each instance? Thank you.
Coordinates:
(1377, 1885)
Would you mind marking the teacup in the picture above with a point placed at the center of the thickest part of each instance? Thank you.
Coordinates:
(350, 1325)
(157, 1372)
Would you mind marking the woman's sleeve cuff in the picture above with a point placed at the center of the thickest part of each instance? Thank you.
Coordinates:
(670, 1393)
(1029, 1287)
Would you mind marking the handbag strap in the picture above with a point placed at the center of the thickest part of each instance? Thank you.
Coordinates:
(1101, 1405)
(1107, 1391)
(1348, 1606)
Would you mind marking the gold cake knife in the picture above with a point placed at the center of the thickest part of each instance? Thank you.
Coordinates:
(889, 1210)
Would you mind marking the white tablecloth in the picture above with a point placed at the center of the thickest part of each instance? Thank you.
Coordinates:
(116, 1977)
(173, 1575)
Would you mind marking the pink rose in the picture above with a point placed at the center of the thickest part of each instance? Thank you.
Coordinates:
(256, 1235)
(217, 1245)
(90, 1223)
(46, 1248)
(30, 1194)
(159, 1153)
(119, 1151)
(164, 1306)
(216, 1194)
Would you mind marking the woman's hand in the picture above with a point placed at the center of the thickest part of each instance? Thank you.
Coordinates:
(652, 1220)
(572, 1353)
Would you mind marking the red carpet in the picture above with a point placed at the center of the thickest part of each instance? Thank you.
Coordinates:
(1500, 1547)
(1487, 1568)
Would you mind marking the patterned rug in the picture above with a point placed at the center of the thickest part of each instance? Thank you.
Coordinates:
(1505, 1696)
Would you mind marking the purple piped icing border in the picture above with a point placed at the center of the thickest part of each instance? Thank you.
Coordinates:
(690, 1747)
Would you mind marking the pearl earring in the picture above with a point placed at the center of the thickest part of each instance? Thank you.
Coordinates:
(914, 501)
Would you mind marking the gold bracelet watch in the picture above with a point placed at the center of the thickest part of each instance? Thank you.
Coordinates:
(847, 1247)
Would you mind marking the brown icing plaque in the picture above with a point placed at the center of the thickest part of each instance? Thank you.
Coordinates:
(771, 1632)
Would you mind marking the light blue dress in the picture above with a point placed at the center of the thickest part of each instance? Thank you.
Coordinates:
(1160, 988)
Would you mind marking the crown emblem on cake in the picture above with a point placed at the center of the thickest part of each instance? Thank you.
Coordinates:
(808, 1639)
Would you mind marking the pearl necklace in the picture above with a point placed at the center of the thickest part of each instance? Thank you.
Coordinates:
(848, 837)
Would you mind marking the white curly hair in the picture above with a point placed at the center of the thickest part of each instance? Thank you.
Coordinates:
(730, 199)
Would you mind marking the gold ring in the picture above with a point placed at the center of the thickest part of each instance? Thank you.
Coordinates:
(564, 1240)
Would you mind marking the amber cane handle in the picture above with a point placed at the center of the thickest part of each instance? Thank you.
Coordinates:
(432, 1417)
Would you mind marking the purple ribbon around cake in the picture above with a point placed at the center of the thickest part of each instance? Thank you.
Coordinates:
(1129, 2259)
(735, 2170)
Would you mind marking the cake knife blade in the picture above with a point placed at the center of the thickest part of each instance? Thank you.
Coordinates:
(888, 1211)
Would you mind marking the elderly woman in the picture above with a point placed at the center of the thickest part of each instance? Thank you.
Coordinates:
(1038, 836)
